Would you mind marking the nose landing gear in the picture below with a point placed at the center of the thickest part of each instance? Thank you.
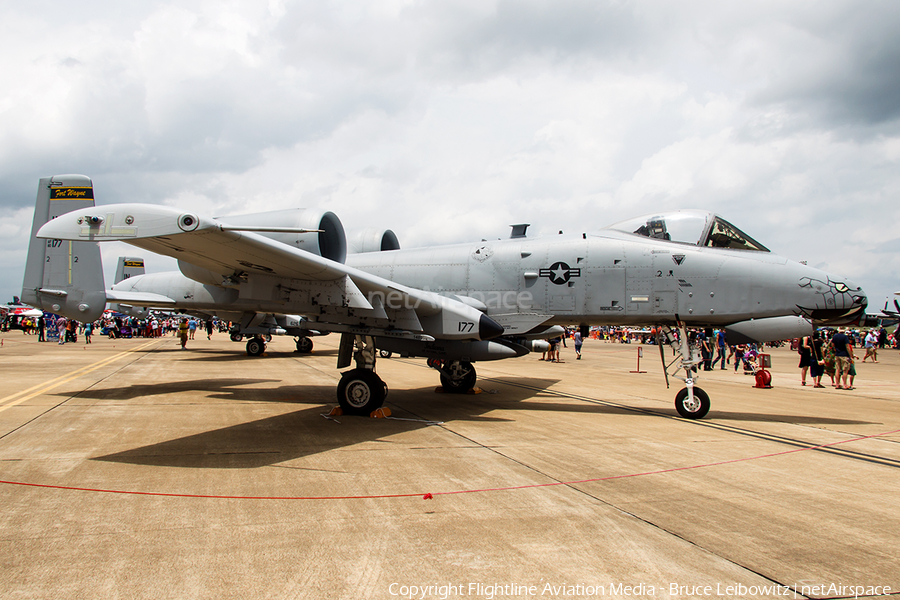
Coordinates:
(691, 402)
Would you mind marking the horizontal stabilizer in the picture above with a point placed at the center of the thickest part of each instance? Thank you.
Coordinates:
(139, 298)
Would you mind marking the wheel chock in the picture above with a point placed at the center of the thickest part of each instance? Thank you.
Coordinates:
(475, 390)
(336, 412)
(380, 413)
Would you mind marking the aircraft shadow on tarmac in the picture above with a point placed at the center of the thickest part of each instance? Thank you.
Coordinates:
(219, 388)
(237, 354)
(285, 437)
(305, 432)
(719, 415)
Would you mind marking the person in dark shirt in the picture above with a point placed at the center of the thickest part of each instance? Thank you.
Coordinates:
(720, 350)
(842, 359)
(816, 360)
(804, 349)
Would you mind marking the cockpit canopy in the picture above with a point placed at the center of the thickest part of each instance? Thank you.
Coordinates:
(695, 227)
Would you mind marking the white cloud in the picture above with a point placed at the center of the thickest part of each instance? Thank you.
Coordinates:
(449, 120)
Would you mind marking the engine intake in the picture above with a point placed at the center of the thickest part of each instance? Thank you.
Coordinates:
(373, 240)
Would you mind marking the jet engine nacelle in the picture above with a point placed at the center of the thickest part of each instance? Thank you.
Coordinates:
(204, 276)
(373, 240)
(324, 237)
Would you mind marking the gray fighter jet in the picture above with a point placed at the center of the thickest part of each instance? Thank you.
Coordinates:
(454, 305)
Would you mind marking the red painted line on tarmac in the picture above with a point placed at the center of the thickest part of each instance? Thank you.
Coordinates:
(430, 495)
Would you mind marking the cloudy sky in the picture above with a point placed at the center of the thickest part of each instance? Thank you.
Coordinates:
(448, 120)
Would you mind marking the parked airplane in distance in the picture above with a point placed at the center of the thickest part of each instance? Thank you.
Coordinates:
(455, 304)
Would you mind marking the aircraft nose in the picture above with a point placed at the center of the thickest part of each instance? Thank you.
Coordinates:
(854, 293)
(837, 300)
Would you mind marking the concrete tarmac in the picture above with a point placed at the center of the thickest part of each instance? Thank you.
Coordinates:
(135, 469)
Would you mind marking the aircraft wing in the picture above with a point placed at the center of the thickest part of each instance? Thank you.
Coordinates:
(271, 272)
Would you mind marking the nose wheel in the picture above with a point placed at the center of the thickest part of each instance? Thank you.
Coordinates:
(692, 406)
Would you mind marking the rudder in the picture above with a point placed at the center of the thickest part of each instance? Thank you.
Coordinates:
(126, 268)
(63, 277)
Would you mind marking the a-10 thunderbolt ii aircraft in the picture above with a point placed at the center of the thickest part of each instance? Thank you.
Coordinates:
(455, 304)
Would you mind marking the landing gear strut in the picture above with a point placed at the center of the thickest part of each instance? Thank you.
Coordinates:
(361, 391)
(691, 402)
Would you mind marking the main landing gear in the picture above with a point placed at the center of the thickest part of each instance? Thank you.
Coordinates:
(304, 345)
(691, 402)
(256, 346)
(457, 376)
(360, 391)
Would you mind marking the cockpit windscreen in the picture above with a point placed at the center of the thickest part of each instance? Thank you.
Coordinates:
(723, 234)
(695, 227)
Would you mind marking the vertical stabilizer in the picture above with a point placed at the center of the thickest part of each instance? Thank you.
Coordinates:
(63, 277)
(127, 267)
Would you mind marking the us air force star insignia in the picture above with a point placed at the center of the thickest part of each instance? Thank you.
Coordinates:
(678, 258)
(560, 273)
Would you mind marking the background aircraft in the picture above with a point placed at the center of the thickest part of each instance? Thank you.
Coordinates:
(453, 304)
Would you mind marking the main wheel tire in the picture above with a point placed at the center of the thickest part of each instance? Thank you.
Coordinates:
(385, 353)
(256, 346)
(686, 409)
(462, 379)
(236, 336)
(360, 392)
(304, 345)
